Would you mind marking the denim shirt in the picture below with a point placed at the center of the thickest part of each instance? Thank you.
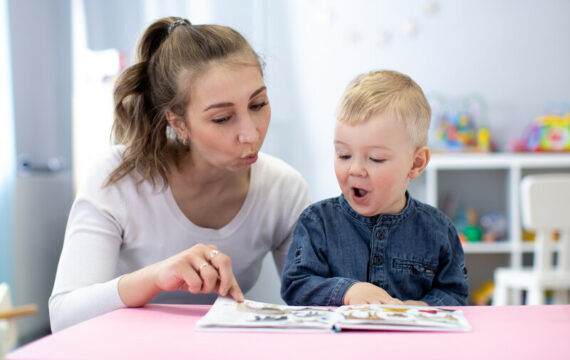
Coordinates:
(413, 255)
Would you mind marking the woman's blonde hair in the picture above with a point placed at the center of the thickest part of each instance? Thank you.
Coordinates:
(170, 54)
(391, 92)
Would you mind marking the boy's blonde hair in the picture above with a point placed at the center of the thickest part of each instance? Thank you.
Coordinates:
(387, 91)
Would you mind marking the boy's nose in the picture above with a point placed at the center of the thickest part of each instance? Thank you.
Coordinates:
(357, 169)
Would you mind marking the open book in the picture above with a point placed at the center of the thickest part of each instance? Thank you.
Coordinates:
(227, 314)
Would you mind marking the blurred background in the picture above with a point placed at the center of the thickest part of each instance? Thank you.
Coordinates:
(59, 58)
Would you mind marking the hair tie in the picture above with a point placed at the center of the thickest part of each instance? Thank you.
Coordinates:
(176, 23)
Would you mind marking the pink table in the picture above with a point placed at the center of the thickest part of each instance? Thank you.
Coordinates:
(167, 332)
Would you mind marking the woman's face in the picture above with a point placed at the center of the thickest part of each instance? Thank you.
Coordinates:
(228, 116)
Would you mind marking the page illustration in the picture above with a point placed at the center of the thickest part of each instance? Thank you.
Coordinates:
(230, 315)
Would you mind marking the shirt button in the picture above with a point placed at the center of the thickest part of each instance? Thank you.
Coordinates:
(380, 235)
(378, 260)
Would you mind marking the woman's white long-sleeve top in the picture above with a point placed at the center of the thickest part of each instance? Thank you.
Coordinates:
(114, 230)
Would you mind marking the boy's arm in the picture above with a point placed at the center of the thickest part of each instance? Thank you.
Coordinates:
(450, 285)
(306, 278)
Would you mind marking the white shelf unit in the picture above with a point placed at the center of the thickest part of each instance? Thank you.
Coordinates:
(488, 182)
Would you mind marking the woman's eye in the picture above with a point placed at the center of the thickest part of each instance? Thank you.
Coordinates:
(258, 106)
(221, 120)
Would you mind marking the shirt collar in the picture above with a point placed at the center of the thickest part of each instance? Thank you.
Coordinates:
(382, 219)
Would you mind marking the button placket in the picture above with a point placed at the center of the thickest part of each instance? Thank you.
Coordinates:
(378, 260)
(377, 248)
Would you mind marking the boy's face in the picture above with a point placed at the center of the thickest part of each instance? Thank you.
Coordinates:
(373, 164)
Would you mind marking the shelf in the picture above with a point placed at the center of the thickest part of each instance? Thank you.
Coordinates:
(498, 160)
(503, 247)
(489, 183)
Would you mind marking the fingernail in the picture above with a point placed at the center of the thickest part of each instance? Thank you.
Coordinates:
(237, 295)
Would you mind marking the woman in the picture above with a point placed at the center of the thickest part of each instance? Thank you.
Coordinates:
(190, 118)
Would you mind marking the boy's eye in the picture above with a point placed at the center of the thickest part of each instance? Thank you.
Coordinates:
(376, 160)
(344, 157)
(258, 106)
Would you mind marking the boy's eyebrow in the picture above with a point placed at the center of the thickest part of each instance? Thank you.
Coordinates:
(226, 104)
(372, 146)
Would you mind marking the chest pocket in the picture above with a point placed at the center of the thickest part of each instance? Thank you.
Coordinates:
(414, 267)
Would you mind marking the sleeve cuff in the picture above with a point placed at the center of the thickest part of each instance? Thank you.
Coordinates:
(340, 289)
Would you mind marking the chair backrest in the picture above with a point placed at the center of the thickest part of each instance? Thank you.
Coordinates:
(545, 208)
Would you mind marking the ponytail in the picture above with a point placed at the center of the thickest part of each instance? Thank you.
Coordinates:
(136, 119)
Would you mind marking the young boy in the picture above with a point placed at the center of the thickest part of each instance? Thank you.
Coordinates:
(375, 243)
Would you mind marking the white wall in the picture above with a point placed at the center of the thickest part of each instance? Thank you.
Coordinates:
(513, 53)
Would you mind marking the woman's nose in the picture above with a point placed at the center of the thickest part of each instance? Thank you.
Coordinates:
(248, 132)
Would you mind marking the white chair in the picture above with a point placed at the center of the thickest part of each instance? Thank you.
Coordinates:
(8, 330)
(545, 209)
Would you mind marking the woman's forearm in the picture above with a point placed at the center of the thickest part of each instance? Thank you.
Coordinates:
(138, 288)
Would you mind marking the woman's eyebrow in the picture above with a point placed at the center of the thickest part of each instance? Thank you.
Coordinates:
(218, 105)
(256, 92)
(225, 104)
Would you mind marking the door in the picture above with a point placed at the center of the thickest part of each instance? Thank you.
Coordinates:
(41, 72)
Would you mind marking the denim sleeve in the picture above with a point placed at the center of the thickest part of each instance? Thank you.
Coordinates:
(306, 278)
(450, 284)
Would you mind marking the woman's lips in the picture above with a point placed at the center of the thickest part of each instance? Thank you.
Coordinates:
(250, 159)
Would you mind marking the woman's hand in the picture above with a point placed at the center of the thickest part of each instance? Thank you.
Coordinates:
(367, 293)
(200, 269)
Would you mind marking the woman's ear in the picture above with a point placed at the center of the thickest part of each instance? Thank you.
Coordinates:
(177, 124)
(419, 163)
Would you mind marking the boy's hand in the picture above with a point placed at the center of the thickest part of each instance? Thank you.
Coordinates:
(367, 293)
(415, 303)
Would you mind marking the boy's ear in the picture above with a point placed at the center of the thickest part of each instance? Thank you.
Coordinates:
(177, 124)
(420, 161)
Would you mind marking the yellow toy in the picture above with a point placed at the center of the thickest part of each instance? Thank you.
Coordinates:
(483, 294)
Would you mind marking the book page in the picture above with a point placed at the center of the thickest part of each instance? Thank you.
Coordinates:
(226, 314)
(400, 317)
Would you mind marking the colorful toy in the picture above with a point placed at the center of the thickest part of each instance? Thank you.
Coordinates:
(489, 227)
(472, 231)
(494, 225)
(547, 133)
(455, 125)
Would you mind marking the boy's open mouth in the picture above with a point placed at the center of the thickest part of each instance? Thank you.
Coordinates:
(359, 193)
